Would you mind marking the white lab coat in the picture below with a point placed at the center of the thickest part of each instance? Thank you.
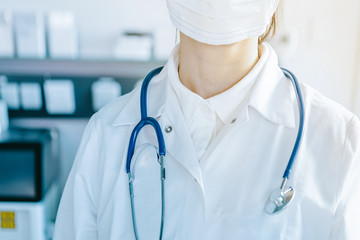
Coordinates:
(223, 196)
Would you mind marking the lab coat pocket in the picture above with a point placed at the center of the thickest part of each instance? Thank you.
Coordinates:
(147, 191)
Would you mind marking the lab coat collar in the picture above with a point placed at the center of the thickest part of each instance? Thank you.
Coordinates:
(273, 95)
(156, 97)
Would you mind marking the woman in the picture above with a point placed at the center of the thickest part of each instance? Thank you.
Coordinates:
(230, 119)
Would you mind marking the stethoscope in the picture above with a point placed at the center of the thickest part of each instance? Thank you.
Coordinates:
(278, 200)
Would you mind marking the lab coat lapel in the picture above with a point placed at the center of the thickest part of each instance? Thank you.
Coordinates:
(163, 105)
(179, 143)
(273, 95)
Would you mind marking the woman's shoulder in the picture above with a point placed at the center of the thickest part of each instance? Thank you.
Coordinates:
(319, 107)
(331, 121)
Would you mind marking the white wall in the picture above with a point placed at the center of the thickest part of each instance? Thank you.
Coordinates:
(356, 94)
(325, 51)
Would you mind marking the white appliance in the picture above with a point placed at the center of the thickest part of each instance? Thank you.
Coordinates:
(28, 183)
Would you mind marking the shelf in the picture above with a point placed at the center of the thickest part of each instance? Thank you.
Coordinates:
(83, 73)
(131, 69)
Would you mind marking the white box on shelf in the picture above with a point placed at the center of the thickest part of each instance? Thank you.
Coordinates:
(134, 46)
(30, 35)
(103, 91)
(4, 116)
(31, 98)
(10, 94)
(62, 35)
(59, 96)
(7, 47)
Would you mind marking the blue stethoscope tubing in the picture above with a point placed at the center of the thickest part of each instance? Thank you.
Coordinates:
(145, 120)
(300, 102)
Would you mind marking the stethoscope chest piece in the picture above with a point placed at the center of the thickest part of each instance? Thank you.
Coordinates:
(279, 199)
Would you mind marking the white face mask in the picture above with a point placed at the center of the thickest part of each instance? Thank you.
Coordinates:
(220, 22)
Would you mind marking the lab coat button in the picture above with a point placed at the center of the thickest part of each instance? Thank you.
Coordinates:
(168, 129)
(233, 121)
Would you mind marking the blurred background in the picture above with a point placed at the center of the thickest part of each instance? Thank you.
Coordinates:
(60, 61)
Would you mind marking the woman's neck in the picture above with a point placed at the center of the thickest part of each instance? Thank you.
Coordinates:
(208, 70)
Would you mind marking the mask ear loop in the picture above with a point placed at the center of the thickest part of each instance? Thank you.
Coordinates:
(176, 35)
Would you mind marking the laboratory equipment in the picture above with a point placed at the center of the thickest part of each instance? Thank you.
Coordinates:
(28, 183)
